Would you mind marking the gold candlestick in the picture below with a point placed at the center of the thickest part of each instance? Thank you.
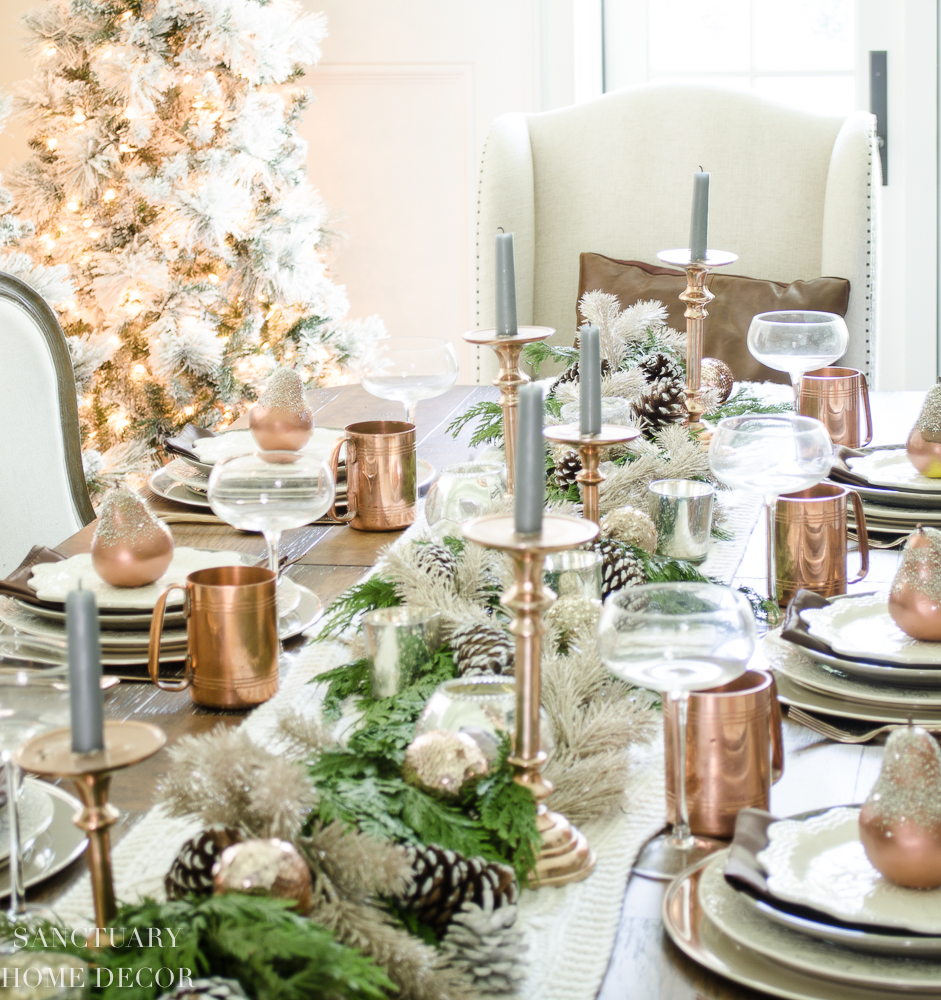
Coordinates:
(565, 855)
(50, 755)
(590, 447)
(696, 297)
(508, 381)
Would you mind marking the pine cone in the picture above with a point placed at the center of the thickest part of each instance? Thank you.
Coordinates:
(571, 374)
(482, 649)
(437, 560)
(487, 948)
(567, 468)
(445, 880)
(191, 871)
(662, 404)
(211, 988)
(659, 365)
(620, 568)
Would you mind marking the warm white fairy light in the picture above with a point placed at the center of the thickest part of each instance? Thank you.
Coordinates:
(139, 372)
(78, 117)
(52, 143)
(87, 223)
(72, 206)
(109, 195)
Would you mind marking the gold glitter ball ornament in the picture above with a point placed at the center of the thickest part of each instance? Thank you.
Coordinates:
(630, 525)
(272, 868)
(131, 546)
(915, 597)
(900, 822)
(716, 374)
(924, 442)
(443, 762)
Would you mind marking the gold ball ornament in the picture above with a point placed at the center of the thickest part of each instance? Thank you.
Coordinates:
(716, 374)
(915, 597)
(900, 822)
(443, 762)
(281, 420)
(272, 868)
(630, 525)
(924, 442)
(131, 547)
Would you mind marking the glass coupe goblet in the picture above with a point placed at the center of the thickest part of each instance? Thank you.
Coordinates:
(270, 491)
(408, 369)
(34, 699)
(676, 638)
(770, 454)
(797, 342)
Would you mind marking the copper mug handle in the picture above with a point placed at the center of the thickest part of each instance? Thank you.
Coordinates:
(862, 534)
(777, 735)
(864, 392)
(335, 469)
(153, 652)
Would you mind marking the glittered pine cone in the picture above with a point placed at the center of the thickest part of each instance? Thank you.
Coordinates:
(487, 948)
(191, 871)
(571, 374)
(567, 468)
(659, 365)
(436, 560)
(663, 403)
(210, 988)
(483, 649)
(620, 568)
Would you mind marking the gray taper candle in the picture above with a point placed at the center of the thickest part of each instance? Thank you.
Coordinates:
(530, 495)
(589, 379)
(85, 698)
(699, 223)
(506, 286)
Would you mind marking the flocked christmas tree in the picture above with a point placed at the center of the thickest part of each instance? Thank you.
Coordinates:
(167, 171)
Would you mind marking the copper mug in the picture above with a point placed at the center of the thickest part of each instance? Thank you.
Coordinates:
(810, 535)
(734, 752)
(381, 475)
(232, 641)
(834, 396)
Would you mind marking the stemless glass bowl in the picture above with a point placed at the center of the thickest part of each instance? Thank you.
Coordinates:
(464, 491)
(408, 369)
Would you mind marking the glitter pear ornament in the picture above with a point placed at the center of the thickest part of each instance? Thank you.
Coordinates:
(443, 762)
(924, 442)
(915, 597)
(281, 420)
(272, 868)
(131, 546)
(900, 822)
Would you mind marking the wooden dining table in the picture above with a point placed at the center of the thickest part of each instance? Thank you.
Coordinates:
(644, 964)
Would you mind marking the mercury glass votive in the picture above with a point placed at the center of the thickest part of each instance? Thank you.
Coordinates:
(464, 491)
(574, 573)
(614, 410)
(681, 509)
(398, 641)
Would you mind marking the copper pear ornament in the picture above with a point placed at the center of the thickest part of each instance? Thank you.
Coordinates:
(900, 822)
(924, 442)
(281, 420)
(131, 547)
(915, 598)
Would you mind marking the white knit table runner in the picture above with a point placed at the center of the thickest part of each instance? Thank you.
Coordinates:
(570, 930)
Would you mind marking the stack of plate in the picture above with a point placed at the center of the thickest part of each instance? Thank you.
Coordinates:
(830, 927)
(125, 613)
(870, 670)
(186, 480)
(896, 496)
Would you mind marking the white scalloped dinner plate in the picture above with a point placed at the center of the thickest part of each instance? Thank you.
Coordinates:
(820, 862)
(863, 627)
(891, 467)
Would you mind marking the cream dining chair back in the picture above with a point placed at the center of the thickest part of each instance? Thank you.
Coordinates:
(44, 498)
(791, 194)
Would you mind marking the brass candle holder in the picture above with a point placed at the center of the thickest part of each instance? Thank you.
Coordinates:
(589, 448)
(696, 297)
(565, 855)
(508, 381)
(50, 755)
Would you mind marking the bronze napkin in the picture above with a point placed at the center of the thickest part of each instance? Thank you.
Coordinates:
(15, 585)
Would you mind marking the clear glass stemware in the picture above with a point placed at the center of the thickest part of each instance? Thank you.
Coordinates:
(676, 638)
(408, 369)
(770, 454)
(796, 342)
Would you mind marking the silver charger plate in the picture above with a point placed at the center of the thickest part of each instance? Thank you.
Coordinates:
(904, 676)
(109, 619)
(699, 938)
(734, 917)
(166, 484)
(56, 848)
(792, 693)
(35, 813)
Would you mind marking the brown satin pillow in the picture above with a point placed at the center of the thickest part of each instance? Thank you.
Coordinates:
(737, 300)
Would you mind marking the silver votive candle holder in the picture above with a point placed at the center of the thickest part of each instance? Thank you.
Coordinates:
(681, 509)
(398, 642)
(574, 573)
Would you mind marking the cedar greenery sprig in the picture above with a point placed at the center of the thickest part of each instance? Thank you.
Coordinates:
(274, 953)
(361, 597)
(489, 429)
(745, 401)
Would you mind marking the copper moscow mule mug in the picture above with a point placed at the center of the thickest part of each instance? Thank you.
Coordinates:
(734, 752)
(834, 396)
(810, 541)
(380, 475)
(232, 637)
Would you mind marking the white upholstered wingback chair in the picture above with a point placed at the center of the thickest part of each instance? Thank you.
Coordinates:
(43, 498)
(791, 194)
